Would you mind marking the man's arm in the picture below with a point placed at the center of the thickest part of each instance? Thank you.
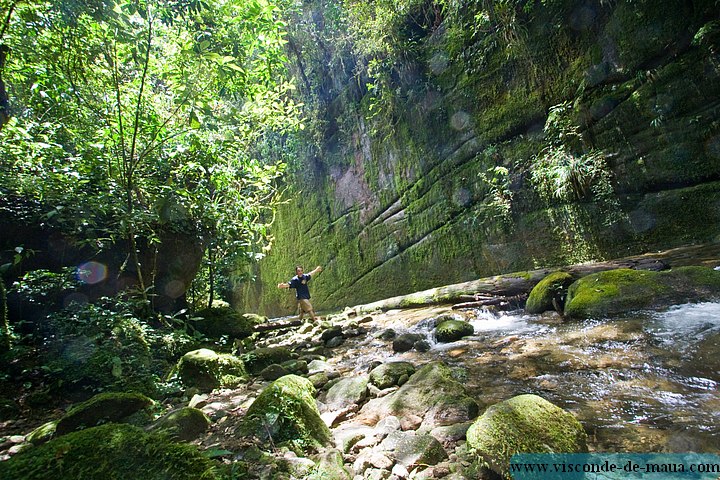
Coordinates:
(317, 270)
(283, 285)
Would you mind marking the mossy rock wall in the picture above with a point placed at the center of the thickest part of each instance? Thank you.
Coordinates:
(409, 196)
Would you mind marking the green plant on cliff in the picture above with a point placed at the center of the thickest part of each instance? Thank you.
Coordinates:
(566, 169)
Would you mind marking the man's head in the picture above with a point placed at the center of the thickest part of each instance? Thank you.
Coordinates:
(298, 270)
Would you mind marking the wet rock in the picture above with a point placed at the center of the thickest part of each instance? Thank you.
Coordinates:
(388, 334)
(334, 342)
(330, 333)
(422, 345)
(388, 374)
(524, 424)
(206, 369)
(452, 330)
(406, 342)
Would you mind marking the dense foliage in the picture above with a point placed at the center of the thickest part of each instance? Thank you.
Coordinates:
(135, 117)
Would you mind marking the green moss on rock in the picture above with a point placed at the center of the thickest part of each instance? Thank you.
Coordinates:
(622, 290)
(453, 330)
(216, 322)
(286, 412)
(102, 408)
(260, 358)
(206, 369)
(524, 424)
(185, 424)
(550, 291)
(112, 452)
(388, 374)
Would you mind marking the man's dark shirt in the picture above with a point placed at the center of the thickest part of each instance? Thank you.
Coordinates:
(300, 285)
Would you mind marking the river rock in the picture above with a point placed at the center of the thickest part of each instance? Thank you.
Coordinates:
(452, 330)
(273, 372)
(346, 392)
(330, 465)
(549, 293)
(524, 424)
(410, 450)
(184, 424)
(102, 408)
(388, 374)
(406, 342)
(286, 411)
(256, 360)
(616, 291)
(431, 393)
(206, 369)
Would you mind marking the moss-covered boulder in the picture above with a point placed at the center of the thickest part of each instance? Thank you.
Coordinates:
(549, 293)
(622, 290)
(389, 374)
(206, 369)
(452, 330)
(286, 412)
(524, 424)
(102, 408)
(431, 393)
(216, 322)
(347, 391)
(256, 360)
(184, 424)
(112, 452)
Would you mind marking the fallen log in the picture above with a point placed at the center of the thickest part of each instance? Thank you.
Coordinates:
(510, 302)
(521, 283)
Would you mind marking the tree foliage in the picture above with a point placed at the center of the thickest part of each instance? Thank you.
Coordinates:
(130, 117)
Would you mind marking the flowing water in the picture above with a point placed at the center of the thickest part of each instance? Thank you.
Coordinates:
(646, 382)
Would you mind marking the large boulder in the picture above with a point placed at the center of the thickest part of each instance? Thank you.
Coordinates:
(549, 293)
(452, 330)
(622, 290)
(286, 412)
(390, 374)
(216, 322)
(431, 393)
(111, 451)
(102, 408)
(206, 369)
(185, 423)
(524, 424)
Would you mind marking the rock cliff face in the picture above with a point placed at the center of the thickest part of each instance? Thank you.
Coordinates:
(576, 130)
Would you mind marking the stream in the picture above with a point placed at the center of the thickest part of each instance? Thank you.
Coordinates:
(646, 382)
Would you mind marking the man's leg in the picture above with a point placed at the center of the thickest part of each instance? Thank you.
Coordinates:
(306, 307)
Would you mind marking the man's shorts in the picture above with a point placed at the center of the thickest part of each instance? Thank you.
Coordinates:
(305, 305)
